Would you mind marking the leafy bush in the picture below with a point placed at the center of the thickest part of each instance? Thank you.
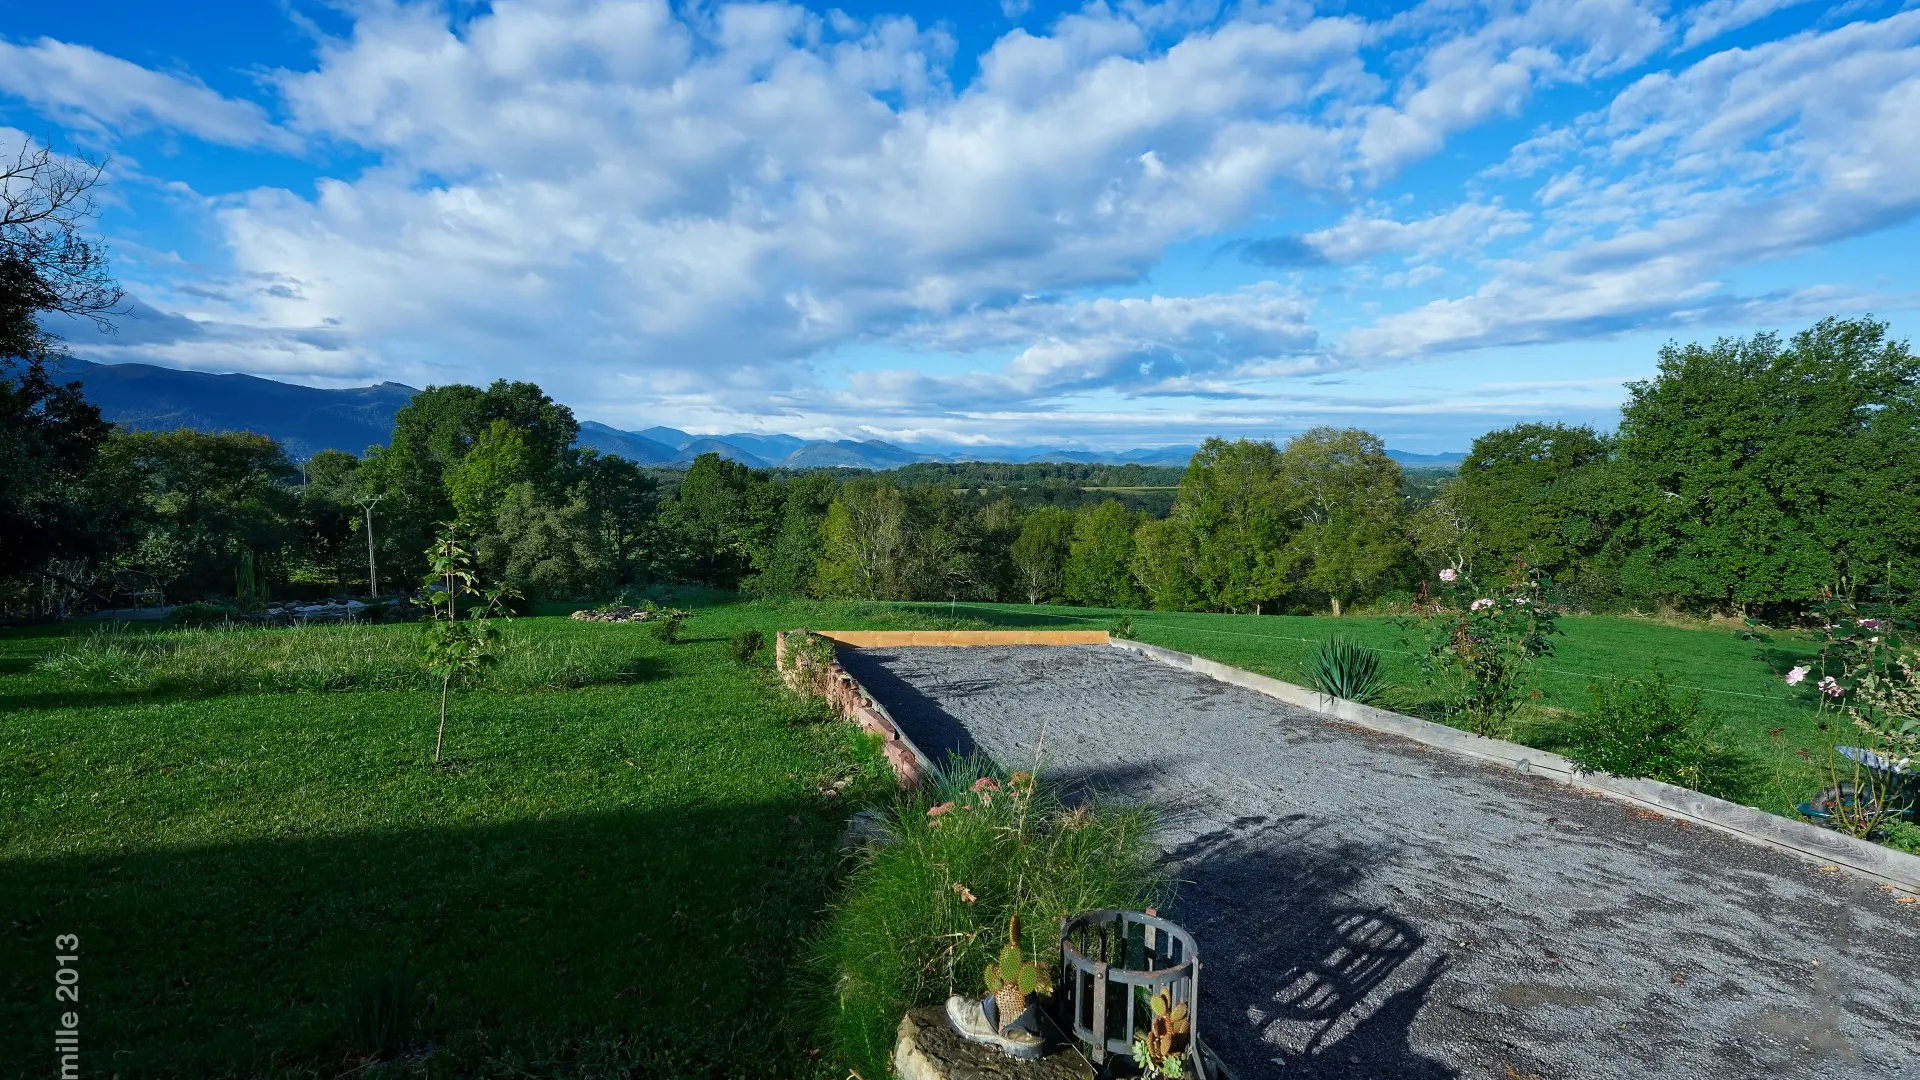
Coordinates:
(203, 615)
(746, 645)
(1122, 628)
(666, 628)
(1478, 651)
(1643, 728)
(925, 910)
(1344, 668)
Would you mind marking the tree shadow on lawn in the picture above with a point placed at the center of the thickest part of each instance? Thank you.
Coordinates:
(1299, 981)
(663, 941)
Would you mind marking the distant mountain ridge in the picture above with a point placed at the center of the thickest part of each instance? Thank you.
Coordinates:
(307, 420)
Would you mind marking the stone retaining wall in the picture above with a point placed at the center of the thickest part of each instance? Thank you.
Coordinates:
(850, 701)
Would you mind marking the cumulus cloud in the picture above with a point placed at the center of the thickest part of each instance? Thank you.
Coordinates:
(90, 88)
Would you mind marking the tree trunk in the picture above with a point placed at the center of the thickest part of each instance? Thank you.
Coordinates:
(1336, 606)
(445, 682)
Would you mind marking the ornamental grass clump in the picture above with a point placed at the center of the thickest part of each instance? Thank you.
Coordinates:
(1344, 668)
(925, 912)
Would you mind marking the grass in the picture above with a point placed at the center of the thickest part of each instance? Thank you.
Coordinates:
(269, 877)
(925, 912)
(1763, 733)
(628, 865)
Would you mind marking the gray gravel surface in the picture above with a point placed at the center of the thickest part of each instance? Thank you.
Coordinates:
(1366, 907)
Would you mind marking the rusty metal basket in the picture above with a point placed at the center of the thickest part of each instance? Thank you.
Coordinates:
(1111, 963)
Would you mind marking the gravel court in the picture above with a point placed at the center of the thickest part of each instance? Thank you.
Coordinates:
(1367, 907)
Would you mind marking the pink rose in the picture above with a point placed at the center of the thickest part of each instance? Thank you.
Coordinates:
(1481, 604)
(1832, 688)
(1797, 675)
(1449, 574)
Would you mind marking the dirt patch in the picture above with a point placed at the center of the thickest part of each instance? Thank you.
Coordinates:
(1367, 907)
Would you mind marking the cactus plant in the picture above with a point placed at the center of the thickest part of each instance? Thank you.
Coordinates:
(1012, 977)
(1161, 1049)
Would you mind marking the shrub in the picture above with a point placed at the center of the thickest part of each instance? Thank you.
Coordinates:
(1122, 628)
(666, 628)
(925, 910)
(1343, 668)
(1478, 651)
(1643, 728)
(746, 645)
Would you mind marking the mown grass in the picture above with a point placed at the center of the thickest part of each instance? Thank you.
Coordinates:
(610, 878)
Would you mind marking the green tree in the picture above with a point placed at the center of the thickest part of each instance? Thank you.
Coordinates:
(217, 511)
(1039, 553)
(546, 550)
(622, 501)
(943, 560)
(788, 566)
(1099, 570)
(1163, 558)
(477, 484)
(864, 543)
(1757, 472)
(1343, 493)
(1529, 494)
(1233, 504)
(330, 549)
(457, 648)
(722, 514)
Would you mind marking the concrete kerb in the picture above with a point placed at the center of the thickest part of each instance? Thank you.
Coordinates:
(1755, 826)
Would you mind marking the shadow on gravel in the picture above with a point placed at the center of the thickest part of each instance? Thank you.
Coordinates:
(1298, 981)
(932, 728)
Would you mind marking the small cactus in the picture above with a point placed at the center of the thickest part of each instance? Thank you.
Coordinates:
(1012, 977)
(1160, 1050)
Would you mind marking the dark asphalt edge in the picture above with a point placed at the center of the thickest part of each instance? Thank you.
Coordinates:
(1881, 864)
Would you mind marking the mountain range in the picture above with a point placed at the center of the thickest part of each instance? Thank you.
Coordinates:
(307, 420)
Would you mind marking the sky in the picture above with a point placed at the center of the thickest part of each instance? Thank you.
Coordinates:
(974, 224)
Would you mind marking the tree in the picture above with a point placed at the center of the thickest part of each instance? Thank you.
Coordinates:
(1099, 570)
(1527, 493)
(1163, 558)
(432, 435)
(329, 519)
(1343, 493)
(46, 264)
(546, 550)
(721, 514)
(621, 503)
(217, 512)
(1039, 553)
(456, 649)
(943, 548)
(864, 541)
(1233, 503)
(787, 569)
(499, 459)
(49, 438)
(1756, 473)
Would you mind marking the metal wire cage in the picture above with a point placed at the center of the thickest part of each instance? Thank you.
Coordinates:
(1111, 964)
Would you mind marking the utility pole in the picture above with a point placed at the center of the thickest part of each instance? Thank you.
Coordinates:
(367, 503)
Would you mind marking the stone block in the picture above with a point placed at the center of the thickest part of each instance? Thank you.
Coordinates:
(928, 1049)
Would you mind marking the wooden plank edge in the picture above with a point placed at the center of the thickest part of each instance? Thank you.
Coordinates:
(1883, 864)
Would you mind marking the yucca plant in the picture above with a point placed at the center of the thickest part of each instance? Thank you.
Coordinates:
(1344, 668)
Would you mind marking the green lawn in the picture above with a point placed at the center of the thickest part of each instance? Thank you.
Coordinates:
(616, 876)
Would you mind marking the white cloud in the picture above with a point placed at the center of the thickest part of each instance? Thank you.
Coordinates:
(1716, 17)
(1466, 227)
(90, 88)
(1747, 156)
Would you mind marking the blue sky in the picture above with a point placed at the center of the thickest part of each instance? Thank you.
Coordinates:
(987, 223)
